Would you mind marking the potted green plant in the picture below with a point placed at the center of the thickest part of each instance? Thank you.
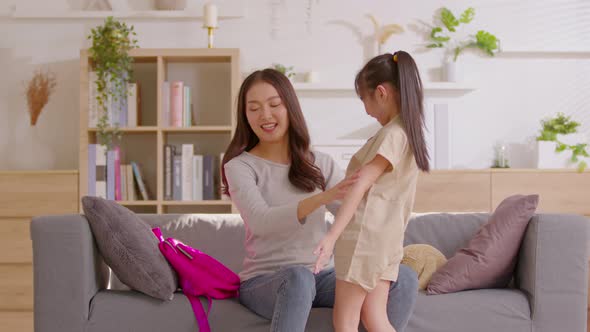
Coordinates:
(287, 71)
(557, 135)
(440, 37)
(111, 43)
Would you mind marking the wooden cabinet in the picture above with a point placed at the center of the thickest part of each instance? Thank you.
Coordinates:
(24, 195)
(560, 190)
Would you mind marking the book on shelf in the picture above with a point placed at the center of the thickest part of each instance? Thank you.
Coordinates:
(97, 170)
(177, 105)
(117, 165)
(111, 174)
(177, 176)
(123, 111)
(115, 105)
(208, 177)
(198, 177)
(169, 151)
(187, 172)
(133, 104)
(93, 113)
(123, 183)
(108, 178)
(130, 183)
(186, 110)
(191, 177)
(139, 180)
(166, 104)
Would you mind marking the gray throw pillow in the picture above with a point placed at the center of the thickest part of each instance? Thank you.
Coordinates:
(129, 247)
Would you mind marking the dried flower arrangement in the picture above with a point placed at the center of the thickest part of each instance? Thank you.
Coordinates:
(38, 91)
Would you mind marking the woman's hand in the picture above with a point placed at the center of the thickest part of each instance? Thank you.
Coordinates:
(324, 252)
(339, 191)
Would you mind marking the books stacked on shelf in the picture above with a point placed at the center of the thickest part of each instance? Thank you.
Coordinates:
(177, 106)
(110, 179)
(124, 112)
(189, 176)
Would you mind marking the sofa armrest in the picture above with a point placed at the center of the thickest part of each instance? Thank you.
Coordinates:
(553, 271)
(68, 272)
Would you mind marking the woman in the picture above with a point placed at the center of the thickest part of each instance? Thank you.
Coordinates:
(282, 190)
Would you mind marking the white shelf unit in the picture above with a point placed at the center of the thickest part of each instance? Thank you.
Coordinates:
(227, 13)
(333, 90)
(528, 53)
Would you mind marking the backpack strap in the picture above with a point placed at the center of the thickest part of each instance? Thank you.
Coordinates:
(158, 233)
(210, 304)
(200, 313)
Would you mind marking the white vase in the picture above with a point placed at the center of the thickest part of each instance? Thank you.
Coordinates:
(452, 72)
(547, 157)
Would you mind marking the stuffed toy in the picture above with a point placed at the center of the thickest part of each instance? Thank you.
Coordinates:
(425, 260)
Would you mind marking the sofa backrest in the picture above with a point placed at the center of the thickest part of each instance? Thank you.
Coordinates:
(222, 235)
(218, 235)
(447, 232)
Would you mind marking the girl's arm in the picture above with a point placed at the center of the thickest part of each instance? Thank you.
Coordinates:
(265, 219)
(337, 192)
(369, 173)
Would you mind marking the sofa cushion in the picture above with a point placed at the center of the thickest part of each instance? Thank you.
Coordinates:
(132, 311)
(479, 310)
(447, 232)
(489, 259)
(129, 248)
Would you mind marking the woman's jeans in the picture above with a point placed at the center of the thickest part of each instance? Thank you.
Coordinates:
(287, 296)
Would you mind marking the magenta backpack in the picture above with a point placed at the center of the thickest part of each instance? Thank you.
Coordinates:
(198, 275)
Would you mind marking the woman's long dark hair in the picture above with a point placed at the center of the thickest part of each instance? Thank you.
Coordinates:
(303, 173)
(404, 76)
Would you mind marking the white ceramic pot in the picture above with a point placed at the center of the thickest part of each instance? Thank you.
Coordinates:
(452, 72)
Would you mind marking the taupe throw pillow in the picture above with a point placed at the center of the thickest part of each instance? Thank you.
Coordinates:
(129, 247)
(489, 259)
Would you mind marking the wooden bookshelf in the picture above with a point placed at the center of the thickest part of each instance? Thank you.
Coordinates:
(214, 77)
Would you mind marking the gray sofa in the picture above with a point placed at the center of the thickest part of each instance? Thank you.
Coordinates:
(549, 294)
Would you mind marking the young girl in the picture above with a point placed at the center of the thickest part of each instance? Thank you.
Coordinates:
(369, 227)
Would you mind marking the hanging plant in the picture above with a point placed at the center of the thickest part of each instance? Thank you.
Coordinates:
(111, 43)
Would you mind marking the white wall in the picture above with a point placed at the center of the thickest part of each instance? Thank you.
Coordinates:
(514, 91)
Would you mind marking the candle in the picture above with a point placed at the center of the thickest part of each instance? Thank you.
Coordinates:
(210, 15)
(312, 77)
